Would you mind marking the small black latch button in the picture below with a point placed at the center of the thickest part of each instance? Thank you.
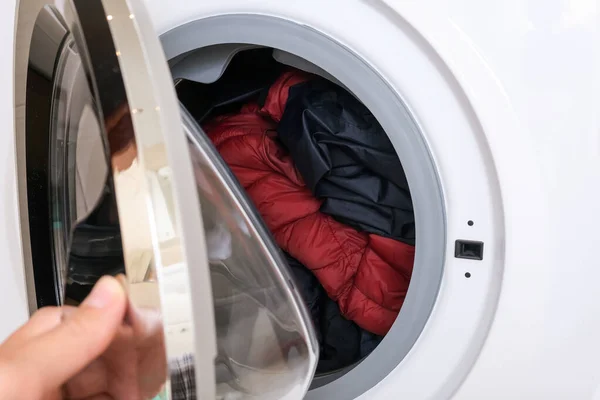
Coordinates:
(468, 249)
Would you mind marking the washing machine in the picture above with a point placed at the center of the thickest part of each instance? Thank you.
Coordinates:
(491, 107)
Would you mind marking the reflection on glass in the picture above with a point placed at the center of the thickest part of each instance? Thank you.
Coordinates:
(266, 346)
(100, 200)
(79, 186)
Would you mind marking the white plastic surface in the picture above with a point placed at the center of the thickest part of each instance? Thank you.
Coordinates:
(524, 69)
(514, 119)
(13, 295)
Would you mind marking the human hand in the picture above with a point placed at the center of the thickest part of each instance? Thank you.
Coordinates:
(104, 349)
(121, 138)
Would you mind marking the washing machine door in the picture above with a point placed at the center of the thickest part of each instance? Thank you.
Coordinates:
(136, 187)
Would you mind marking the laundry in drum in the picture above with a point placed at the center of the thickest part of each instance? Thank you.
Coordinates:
(326, 181)
(346, 159)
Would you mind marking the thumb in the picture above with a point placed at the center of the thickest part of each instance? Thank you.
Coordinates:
(81, 338)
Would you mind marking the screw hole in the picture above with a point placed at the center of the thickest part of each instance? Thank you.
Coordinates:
(468, 275)
(470, 223)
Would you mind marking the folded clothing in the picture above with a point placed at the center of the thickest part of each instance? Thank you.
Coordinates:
(367, 275)
(343, 154)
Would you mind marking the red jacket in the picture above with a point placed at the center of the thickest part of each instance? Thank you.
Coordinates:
(367, 274)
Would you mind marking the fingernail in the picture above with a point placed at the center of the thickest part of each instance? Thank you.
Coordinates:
(103, 293)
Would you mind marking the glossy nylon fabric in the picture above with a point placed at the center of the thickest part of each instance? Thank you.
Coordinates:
(367, 275)
(346, 159)
(341, 342)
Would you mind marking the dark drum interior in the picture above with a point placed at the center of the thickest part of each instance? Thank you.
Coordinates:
(296, 140)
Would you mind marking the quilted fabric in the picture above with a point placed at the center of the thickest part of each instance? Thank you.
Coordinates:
(366, 274)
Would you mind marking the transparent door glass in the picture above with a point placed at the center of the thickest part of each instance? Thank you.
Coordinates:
(78, 180)
(265, 340)
(113, 210)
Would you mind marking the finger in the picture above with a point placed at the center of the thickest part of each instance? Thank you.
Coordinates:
(146, 322)
(44, 320)
(102, 396)
(113, 119)
(59, 354)
(89, 382)
(119, 130)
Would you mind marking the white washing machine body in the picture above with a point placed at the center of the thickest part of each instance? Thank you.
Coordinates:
(503, 97)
